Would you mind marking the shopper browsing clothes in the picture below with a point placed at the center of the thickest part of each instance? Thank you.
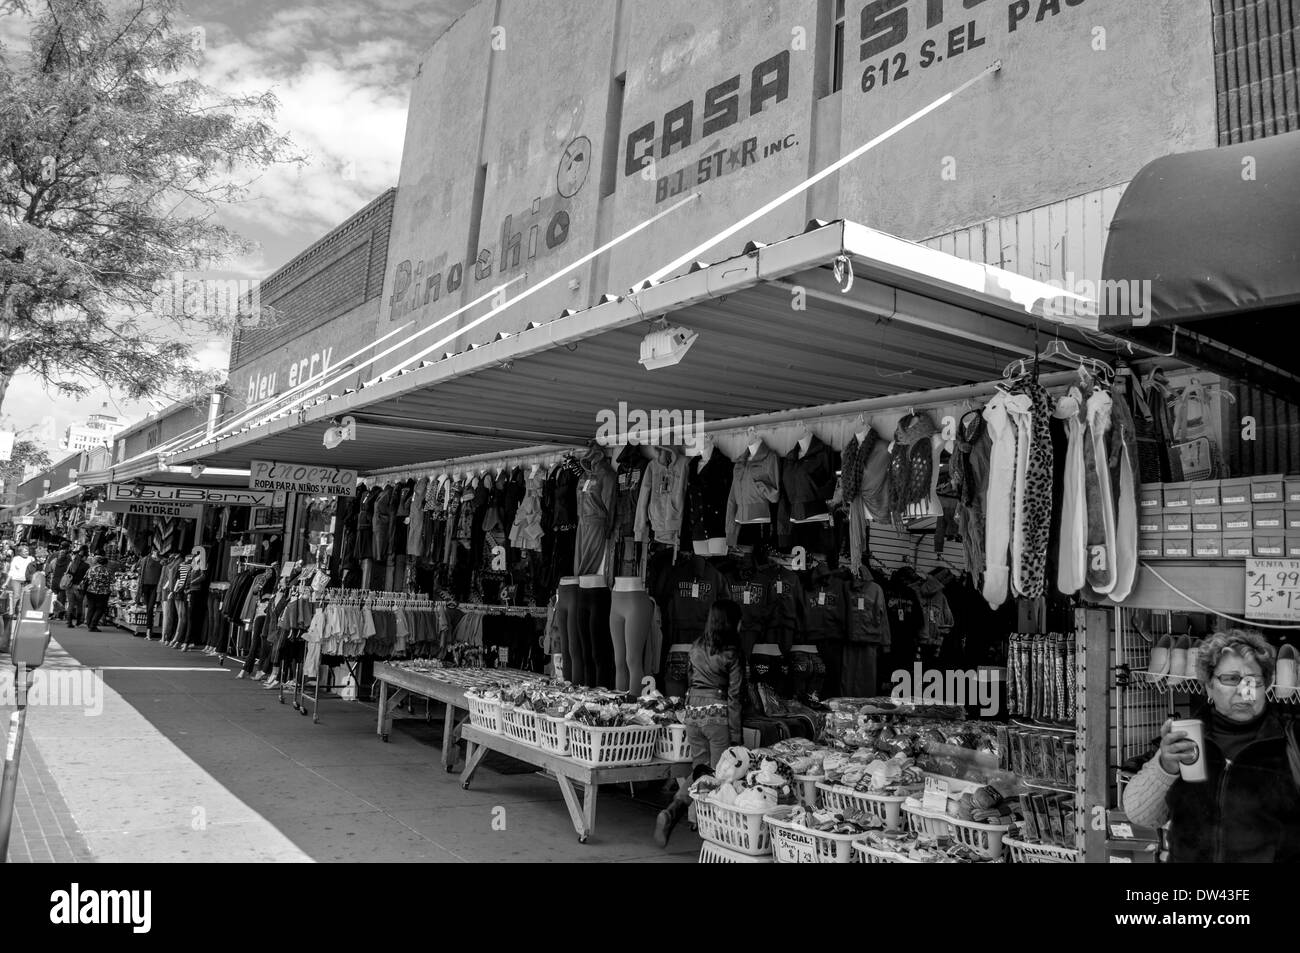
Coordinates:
(99, 583)
(713, 703)
(150, 569)
(1242, 801)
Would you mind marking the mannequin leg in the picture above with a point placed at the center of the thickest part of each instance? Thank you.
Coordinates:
(566, 619)
(619, 627)
(577, 660)
(640, 616)
(600, 643)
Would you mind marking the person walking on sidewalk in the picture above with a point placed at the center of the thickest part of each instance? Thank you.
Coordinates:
(75, 595)
(150, 569)
(196, 598)
(99, 583)
(62, 560)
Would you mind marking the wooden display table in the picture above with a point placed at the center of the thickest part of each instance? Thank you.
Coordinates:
(395, 684)
(566, 771)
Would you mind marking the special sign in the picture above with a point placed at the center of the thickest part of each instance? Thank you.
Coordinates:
(302, 478)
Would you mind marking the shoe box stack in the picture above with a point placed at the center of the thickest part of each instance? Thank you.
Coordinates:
(1220, 519)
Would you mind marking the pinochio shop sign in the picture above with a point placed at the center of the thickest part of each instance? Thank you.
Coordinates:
(301, 478)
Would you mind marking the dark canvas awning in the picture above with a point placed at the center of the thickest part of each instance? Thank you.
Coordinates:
(1217, 232)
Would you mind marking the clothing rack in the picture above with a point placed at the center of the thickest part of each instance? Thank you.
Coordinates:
(538, 612)
(473, 466)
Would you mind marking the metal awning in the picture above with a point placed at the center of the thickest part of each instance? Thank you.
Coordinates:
(61, 495)
(777, 330)
(155, 469)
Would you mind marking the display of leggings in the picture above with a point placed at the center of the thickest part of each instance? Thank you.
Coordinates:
(677, 673)
(563, 543)
(566, 622)
(808, 672)
(631, 614)
(594, 644)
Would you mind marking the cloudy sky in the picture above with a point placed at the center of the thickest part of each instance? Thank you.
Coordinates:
(341, 70)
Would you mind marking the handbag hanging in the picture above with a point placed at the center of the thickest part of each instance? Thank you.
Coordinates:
(1193, 447)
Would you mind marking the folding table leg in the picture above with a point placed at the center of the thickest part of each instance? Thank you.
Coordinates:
(448, 731)
(473, 755)
(576, 812)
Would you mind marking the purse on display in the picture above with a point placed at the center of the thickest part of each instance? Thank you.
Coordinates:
(1192, 446)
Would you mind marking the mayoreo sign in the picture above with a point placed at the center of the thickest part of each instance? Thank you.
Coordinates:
(166, 510)
(302, 478)
(195, 495)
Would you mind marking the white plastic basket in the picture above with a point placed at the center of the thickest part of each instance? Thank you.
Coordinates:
(553, 734)
(809, 795)
(795, 844)
(711, 853)
(866, 854)
(613, 747)
(520, 724)
(484, 713)
(984, 839)
(1023, 852)
(731, 827)
(673, 745)
(848, 801)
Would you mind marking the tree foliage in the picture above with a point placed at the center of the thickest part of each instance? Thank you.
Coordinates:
(114, 159)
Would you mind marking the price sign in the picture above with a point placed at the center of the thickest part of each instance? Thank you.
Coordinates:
(1273, 589)
(936, 796)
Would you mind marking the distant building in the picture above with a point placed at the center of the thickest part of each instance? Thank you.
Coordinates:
(97, 430)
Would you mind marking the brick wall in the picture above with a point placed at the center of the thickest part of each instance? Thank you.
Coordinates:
(337, 273)
(1256, 62)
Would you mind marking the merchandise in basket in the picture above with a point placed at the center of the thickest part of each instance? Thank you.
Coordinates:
(553, 734)
(673, 745)
(985, 839)
(484, 712)
(800, 836)
(736, 828)
(623, 746)
(520, 724)
(886, 807)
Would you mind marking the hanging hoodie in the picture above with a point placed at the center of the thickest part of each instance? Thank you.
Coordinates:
(807, 484)
(868, 611)
(632, 465)
(596, 495)
(936, 615)
(707, 487)
(970, 476)
(1072, 561)
(786, 623)
(1102, 575)
(911, 469)
(1000, 501)
(755, 486)
(1123, 474)
(662, 500)
(695, 585)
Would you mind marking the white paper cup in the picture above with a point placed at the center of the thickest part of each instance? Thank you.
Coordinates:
(1195, 731)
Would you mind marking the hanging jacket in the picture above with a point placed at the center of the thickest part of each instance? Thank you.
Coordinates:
(877, 491)
(630, 471)
(786, 623)
(748, 589)
(415, 516)
(381, 523)
(807, 483)
(401, 518)
(662, 500)
(695, 585)
(707, 488)
(512, 497)
(936, 615)
(826, 606)
(852, 493)
(911, 467)
(567, 475)
(755, 486)
(150, 571)
(868, 612)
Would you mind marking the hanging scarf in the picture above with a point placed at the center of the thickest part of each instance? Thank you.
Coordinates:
(853, 464)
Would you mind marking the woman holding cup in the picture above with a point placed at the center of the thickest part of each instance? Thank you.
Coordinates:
(1229, 778)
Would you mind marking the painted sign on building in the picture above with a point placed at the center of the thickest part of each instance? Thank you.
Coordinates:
(301, 478)
(164, 509)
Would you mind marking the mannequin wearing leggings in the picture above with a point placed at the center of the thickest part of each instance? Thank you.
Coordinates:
(594, 645)
(566, 620)
(630, 616)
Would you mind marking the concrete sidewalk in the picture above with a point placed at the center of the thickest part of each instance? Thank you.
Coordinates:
(187, 763)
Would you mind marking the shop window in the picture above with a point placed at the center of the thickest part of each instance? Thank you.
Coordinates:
(830, 48)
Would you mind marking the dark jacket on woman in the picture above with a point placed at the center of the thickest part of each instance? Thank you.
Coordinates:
(1248, 811)
(722, 674)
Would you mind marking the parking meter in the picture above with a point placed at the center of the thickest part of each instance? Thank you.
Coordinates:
(31, 636)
